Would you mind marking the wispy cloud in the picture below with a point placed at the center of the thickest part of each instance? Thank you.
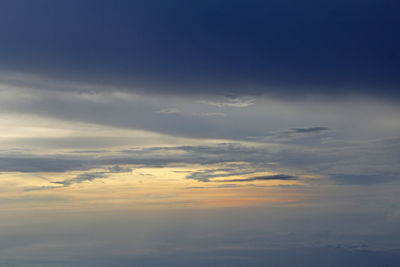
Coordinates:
(305, 130)
(210, 114)
(208, 175)
(39, 188)
(226, 160)
(237, 102)
(296, 133)
(83, 177)
(168, 111)
(262, 178)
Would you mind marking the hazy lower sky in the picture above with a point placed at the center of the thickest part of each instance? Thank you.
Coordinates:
(199, 133)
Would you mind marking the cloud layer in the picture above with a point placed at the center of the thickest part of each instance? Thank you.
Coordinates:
(199, 133)
(288, 49)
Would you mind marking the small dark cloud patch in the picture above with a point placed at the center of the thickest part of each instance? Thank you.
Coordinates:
(118, 169)
(303, 130)
(262, 178)
(310, 129)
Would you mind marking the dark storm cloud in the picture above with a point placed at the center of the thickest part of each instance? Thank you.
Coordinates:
(285, 48)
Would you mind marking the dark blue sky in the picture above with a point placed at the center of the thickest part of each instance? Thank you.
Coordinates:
(287, 48)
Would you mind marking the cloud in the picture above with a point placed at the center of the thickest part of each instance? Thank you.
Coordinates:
(302, 131)
(362, 179)
(83, 177)
(208, 51)
(208, 175)
(224, 160)
(118, 169)
(90, 176)
(294, 133)
(223, 186)
(309, 130)
(39, 164)
(210, 114)
(236, 102)
(262, 178)
(169, 111)
(39, 188)
(133, 111)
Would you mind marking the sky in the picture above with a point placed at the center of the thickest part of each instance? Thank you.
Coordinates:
(199, 133)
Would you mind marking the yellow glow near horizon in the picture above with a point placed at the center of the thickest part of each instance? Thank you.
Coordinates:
(165, 187)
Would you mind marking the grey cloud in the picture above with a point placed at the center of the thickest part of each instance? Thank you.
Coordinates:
(202, 154)
(83, 177)
(153, 47)
(207, 175)
(381, 160)
(376, 158)
(310, 130)
(236, 102)
(210, 114)
(39, 164)
(392, 141)
(222, 148)
(39, 188)
(168, 111)
(77, 142)
(296, 132)
(131, 111)
(118, 169)
(362, 179)
(300, 135)
(263, 178)
(93, 175)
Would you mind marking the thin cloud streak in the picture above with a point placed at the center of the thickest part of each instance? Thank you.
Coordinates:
(83, 177)
(283, 177)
